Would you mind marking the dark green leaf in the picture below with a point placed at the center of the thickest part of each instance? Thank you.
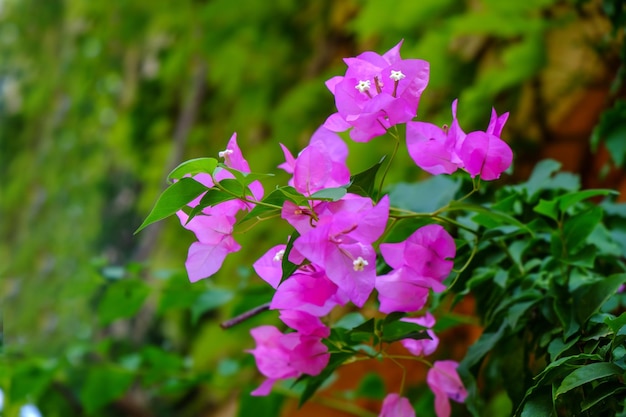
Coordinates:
(364, 183)
(482, 346)
(313, 383)
(399, 330)
(503, 218)
(193, 167)
(287, 266)
(601, 393)
(577, 228)
(616, 323)
(276, 198)
(210, 198)
(174, 198)
(588, 373)
(539, 404)
(589, 298)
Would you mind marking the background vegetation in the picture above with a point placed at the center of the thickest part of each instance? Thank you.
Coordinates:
(100, 99)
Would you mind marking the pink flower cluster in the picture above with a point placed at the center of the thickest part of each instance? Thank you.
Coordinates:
(336, 248)
(444, 150)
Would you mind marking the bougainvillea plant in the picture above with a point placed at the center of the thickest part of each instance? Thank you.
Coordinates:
(356, 241)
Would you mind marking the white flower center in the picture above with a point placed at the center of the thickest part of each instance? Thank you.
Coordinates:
(279, 255)
(225, 153)
(359, 264)
(397, 75)
(363, 86)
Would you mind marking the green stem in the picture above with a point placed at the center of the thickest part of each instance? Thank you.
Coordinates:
(243, 198)
(393, 155)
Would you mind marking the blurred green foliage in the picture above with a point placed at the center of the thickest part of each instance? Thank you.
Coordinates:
(101, 99)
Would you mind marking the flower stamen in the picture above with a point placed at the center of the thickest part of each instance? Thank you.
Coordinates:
(359, 264)
(364, 87)
(396, 76)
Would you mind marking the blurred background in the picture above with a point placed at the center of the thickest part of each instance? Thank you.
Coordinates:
(100, 99)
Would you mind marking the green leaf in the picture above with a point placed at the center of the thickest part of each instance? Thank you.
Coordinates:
(244, 178)
(276, 198)
(174, 198)
(210, 198)
(103, 385)
(364, 183)
(577, 228)
(588, 373)
(399, 330)
(122, 299)
(589, 298)
(568, 200)
(540, 176)
(616, 323)
(351, 321)
(313, 383)
(539, 404)
(547, 208)
(193, 167)
(439, 189)
(329, 194)
(287, 266)
(503, 218)
(482, 346)
(601, 393)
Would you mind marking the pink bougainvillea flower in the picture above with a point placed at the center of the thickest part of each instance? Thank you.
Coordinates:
(215, 242)
(341, 243)
(322, 164)
(269, 266)
(419, 263)
(423, 346)
(308, 290)
(434, 148)
(396, 406)
(376, 92)
(401, 290)
(443, 150)
(213, 227)
(304, 323)
(282, 356)
(233, 158)
(486, 155)
(445, 383)
(428, 251)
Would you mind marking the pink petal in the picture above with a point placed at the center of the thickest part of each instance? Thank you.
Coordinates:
(269, 266)
(396, 406)
(204, 260)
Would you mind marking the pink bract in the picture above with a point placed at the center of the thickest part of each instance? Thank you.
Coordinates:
(445, 383)
(423, 346)
(377, 92)
(396, 406)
